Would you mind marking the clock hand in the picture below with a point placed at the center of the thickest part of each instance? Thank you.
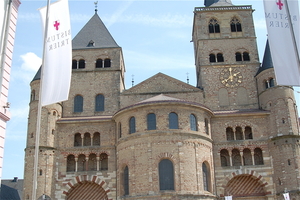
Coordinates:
(236, 74)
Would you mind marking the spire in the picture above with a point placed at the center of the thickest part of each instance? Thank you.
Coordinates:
(267, 62)
(94, 35)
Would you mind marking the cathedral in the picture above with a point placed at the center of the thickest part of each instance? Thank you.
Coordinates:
(235, 133)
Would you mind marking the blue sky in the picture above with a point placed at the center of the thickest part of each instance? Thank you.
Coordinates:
(154, 35)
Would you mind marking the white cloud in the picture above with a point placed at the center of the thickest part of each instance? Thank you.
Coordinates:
(117, 15)
(260, 23)
(29, 16)
(31, 62)
(79, 17)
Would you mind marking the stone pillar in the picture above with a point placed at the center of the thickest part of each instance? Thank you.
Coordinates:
(242, 160)
(252, 155)
(98, 160)
(76, 164)
(86, 163)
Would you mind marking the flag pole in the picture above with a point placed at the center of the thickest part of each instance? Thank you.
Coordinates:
(39, 114)
(292, 33)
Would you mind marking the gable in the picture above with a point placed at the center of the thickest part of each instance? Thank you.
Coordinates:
(161, 83)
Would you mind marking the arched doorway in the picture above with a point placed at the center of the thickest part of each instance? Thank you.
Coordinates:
(245, 185)
(86, 190)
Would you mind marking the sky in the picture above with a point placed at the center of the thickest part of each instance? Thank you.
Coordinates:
(155, 36)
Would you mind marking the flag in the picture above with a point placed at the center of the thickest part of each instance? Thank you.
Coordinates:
(228, 197)
(282, 45)
(286, 196)
(57, 58)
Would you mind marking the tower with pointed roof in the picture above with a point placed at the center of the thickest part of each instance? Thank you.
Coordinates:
(163, 138)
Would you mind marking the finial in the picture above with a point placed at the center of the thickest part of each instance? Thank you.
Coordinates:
(96, 5)
(187, 78)
(132, 80)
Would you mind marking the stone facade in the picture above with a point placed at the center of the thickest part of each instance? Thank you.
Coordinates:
(236, 133)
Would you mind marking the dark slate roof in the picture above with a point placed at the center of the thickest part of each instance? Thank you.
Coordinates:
(11, 189)
(208, 3)
(94, 35)
(37, 75)
(267, 60)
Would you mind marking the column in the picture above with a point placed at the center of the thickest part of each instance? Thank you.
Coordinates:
(76, 164)
(242, 156)
(86, 163)
(252, 155)
(98, 160)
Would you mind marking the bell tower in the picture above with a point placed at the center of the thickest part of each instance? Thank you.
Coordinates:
(226, 55)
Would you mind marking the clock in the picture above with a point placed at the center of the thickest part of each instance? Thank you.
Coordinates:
(230, 77)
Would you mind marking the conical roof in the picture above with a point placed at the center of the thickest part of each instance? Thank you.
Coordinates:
(37, 75)
(94, 35)
(267, 62)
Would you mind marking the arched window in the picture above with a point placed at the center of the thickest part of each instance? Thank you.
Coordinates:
(247, 157)
(206, 126)
(92, 162)
(99, 63)
(236, 158)
(173, 121)
(248, 133)
(78, 103)
(193, 122)
(271, 82)
(229, 133)
(107, 63)
(103, 161)
(77, 140)
(71, 163)
(81, 64)
(258, 157)
(225, 160)
(212, 57)
(32, 96)
(151, 121)
(87, 139)
(205, 174)
(74, 64)
(220, 57)
(81, 163)
(99, 103)
(235, 25)
(96, 139)
(213, 26)
(132, 125)
(41, 172)
(238, 133)
(238, 56)
(166, 175)
(246, 56)
(126, 181)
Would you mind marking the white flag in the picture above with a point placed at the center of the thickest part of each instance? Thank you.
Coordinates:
(282, 46)
(57, 65)
(228, 197)
(286, 196)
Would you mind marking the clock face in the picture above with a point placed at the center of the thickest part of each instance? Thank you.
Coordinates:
(230, 77)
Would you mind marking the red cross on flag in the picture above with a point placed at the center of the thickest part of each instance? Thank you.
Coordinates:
(286, 196)
(282, 19)
(57, 58)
